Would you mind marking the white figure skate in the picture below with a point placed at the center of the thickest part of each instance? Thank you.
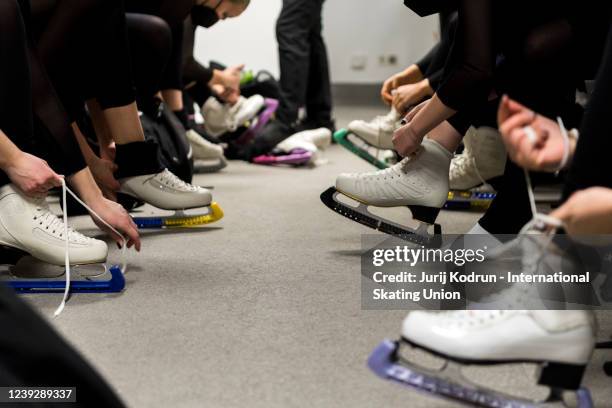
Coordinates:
(560, 342)
(28, 225)
(166, 191)
(208, 157)
(419, 182)
(220, 118)
(483, 159)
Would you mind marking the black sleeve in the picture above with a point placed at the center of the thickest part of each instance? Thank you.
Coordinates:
(425, 62)
(435, 79)
(469, 68)
(192, 69)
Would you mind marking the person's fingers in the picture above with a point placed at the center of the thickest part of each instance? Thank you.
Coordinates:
(503, 112)
(55, 180)
(132, 232)
(396, 97)
(562, 213)
(516, 107)
(509, 107)
(131, 220)
(528, 154)
(387, 98)
(412, 113)
(37, 192)
(114, 185)
(49, 185)
(520, 119)
(397, 102)
(513, 138)
(541, 138)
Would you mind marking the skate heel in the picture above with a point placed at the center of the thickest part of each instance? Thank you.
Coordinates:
(425, 214)
(560, 375)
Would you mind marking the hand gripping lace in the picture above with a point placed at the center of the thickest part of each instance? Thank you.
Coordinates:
(532, 136)
(67, 234)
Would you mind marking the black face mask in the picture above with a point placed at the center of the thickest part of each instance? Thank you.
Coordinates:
(204, 16)
(428, 7)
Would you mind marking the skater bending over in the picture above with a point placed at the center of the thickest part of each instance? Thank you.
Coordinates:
(86, 53)
(36, 141)
(203, 13)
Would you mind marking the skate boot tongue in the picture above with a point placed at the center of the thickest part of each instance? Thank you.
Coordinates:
(52, 223)
(171, 180)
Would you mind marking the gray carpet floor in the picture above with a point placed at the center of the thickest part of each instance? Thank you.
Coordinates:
(259, 310)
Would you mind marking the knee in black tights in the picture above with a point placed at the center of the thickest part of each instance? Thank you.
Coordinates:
(150, 40)
(9, 15)
(548, 43)
(15, 90)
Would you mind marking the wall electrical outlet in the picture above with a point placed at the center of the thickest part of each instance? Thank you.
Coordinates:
(359, 62)
(387, 60)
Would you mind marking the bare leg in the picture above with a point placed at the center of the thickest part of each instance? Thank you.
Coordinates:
(446, 135)
(103, 133)
(121, 123)
(174, 99)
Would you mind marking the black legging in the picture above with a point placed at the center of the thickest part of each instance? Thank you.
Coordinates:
(46, 134)
(83, 45)
(150, 41)
(591, 163)
(174, 12)
(32, 354)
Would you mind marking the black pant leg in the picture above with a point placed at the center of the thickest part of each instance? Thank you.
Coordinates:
(510, 209)
(15, 87)
(150, 43)
(293, 30)
(318, 92)
(21, 76)
(83, 46)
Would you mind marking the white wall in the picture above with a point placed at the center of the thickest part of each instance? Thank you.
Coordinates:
(361, 29)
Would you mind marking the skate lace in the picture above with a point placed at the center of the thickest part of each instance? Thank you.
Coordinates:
(385, 120)
(462, 318)
(396, 170)
(171, 180)
(539, 224)
(55, 226)
(462, 164)
(69, 232)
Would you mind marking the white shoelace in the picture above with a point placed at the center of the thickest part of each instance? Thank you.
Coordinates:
(65, 188)
(171, 179)
(543, 222)
(462, 163)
